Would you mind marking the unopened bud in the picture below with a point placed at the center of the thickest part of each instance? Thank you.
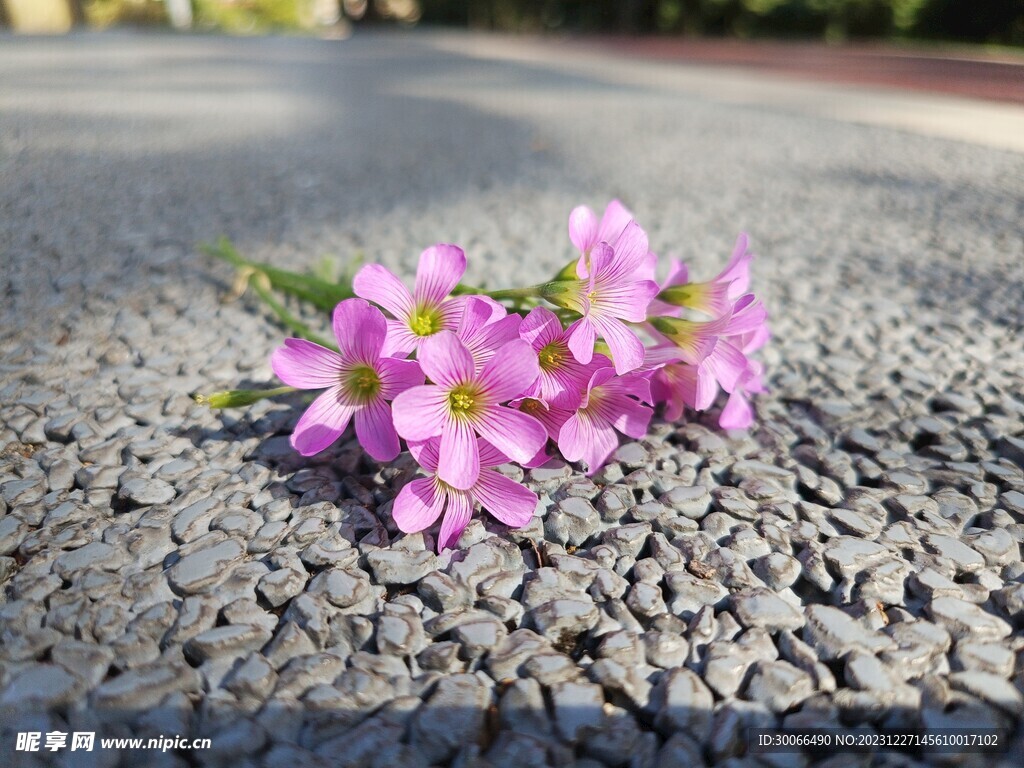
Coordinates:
(237, 398)
(562, 293)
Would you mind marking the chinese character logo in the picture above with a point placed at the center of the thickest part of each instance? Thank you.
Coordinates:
(83, 740)
(28, 742)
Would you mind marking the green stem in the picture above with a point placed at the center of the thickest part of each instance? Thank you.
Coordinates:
(288, 319)
(320, 293)
(466, 290)
(514, 293)
(236, 398)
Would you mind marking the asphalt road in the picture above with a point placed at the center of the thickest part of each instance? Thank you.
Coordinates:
(139, 534)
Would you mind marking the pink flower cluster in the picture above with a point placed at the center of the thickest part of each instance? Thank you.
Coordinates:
(470, 385)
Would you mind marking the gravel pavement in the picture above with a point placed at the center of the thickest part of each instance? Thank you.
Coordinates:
(167, 570)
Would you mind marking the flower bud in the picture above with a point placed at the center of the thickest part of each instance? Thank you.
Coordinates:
(709, 298)
(236, 398)
(562, 293)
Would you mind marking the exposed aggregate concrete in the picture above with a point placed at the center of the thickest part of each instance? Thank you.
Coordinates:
(853, 560)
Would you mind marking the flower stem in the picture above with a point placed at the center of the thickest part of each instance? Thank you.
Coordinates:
(235, 398)
(322, 294)
(288, 320)
(514, 293)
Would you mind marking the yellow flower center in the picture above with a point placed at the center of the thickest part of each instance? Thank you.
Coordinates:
(362, 382)
(461, 401)
(551, 356)
(424, 322)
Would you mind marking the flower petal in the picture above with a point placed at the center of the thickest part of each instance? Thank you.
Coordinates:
(538, 460)
(511, 371)
(445, 360)
(456, 518)
(748, 315)
(660, 356)
(581, 337)
(396, 376)
(540, 328)
(583, 226)
(450, 312)
(626, 300)
(322, 423)
(303, 364)
(418, 505)
(512, 432)
(737, 413)
(727, 364)
(636, 384)
(360, 330)
(707, 388)
(630, 417)
(682, 380)
(550, 416)
(627, 349)
(574, 436)
(476, 313)
(648, 268)
(426, 452)
(738, 269)
(756, 339)
(490, 456)
(484, 340)
(630, 253)
(400, 340)
(564, 386)
(421, 412)
(459, 460)
(601, 259)
(375, 430)
(664, 389)
(379, 285)
(589, 439)
(678, 273)
(439, 271)
(614, 221)
(508, 501)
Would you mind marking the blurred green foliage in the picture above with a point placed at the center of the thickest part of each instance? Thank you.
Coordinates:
(232, 16)
(984, 21)
(980, 21)
(104, 13)
(248, 16)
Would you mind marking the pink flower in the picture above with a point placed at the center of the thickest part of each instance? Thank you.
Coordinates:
(748, 330)
(612, 290)
(715, 355)
(463, 402)
(359, 382)
(585, 231)
(713, 297)
(694, 340)
(676, 385)
(709, 298)
(423, 500)
(737, 272)
(748, 324)
(611, 403)
(738, 413)
(425, 311)
(563, 378)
